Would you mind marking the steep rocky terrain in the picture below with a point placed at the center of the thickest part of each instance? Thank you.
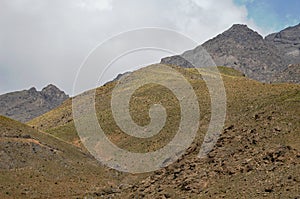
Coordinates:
(257, 154)
(245, 50)
(28, 104)
(288, 43)
(290, 74)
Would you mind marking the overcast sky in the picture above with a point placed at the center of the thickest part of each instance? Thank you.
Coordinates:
(46, 41)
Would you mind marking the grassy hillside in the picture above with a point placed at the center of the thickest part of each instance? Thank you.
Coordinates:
(256, 156)
(38, 165)
(59, 123)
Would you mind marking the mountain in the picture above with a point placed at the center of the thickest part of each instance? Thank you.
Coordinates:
(28, 104)
(289, 74)
(37, 165)
(245, 50)
(256, 156)
(288, 43)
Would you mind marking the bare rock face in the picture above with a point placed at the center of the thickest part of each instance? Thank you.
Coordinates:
(247, 51)
(176, 60)
(290, 74)
(28, 104)
(52, 94)
(288, 43)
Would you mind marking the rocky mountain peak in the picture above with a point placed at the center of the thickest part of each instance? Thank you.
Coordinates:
(32, 90)
(240, 29)
(246, 50)
(28, 104)
(51, 87)
(52, 91)
(241, 34)
(289, 34)
(287, 42)
(238, 36)
(53, 94)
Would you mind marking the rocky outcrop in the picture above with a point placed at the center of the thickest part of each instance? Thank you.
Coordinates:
(28, 104)
(177, 60)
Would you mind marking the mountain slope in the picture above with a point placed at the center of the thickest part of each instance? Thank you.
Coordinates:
(28, 104)
(289, 74)
(257, 155)
(37, 165)
(59, 122)
(288, 43)
(245, 50)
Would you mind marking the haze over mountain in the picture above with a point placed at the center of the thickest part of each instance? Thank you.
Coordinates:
(28, 104)
(247, 51)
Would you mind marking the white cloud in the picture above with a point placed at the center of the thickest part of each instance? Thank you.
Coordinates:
(45, 41)
(93, 5)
